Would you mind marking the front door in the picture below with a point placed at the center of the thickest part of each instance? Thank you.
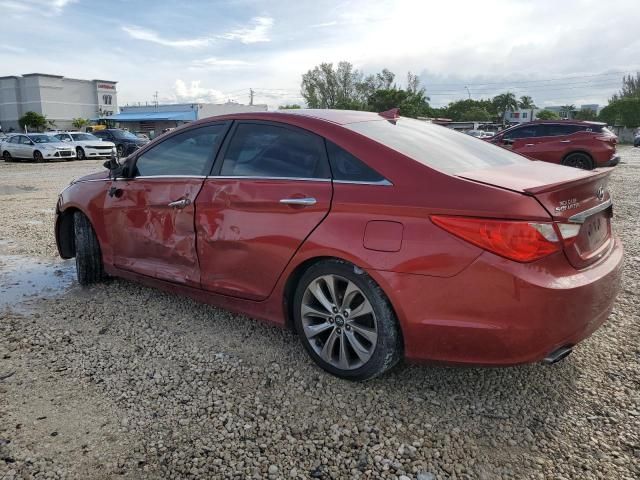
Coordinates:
(150, 216)
(270, 189)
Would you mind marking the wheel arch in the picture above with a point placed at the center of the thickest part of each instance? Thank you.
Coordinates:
(297, 273)
(65, 231)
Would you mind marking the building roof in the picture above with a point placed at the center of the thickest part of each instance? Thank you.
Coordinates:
(184, 116)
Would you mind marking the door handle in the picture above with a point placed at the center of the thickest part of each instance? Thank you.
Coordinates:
(180, 204)
(565, 141)
(299, 201)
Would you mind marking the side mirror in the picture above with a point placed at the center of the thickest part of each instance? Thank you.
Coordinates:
(507, 141)
(111, 164)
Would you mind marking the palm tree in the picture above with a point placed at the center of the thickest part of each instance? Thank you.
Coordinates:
(505, 102)
(526, 102)
(568, 109)
(82, 122)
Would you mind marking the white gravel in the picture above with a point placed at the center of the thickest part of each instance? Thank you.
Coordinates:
(124, 380)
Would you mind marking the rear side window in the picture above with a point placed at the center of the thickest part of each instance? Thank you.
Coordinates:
(187, 153)
(436, 146)
(261, 150)
(558, 130)
(346, 167)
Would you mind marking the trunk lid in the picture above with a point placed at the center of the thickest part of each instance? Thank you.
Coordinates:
(577, 200)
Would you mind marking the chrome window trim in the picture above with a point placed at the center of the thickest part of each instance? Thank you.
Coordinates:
(582, 216)
(249, 177)
(144, 177)
(384, 183)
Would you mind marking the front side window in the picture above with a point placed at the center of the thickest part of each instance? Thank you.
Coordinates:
(187, 153)
(560, 130)
(346, 167)
(260, 150)
(522, 132)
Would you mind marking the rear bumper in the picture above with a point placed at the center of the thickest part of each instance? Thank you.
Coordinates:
(498, 312)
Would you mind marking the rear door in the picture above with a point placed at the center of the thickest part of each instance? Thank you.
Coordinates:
(555, 141)
(270, 188)
(150, 216)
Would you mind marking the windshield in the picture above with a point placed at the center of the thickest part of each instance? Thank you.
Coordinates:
(124, 135)
(42, 139)
(84, 136)
(436, 146)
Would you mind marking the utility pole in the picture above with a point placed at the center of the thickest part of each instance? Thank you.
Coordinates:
(251, 96)
(468, 91)
(155, 99)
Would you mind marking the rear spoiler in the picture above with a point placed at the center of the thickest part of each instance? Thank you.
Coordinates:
(599, 173)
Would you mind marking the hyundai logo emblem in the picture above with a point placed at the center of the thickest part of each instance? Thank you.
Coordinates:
(600, 193)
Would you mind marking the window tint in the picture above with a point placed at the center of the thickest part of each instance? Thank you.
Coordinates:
(345, 166)
(14, 140)
(436, 146)
(557, 130)
(259, 150)
(522, 132)
(187, 153)
(25, 140)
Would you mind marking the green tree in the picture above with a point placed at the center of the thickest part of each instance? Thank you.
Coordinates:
(328, 87)
(526, 103)
(547, 115)
(505, 102)
(33, 121)
(292, 106)
(586, 114)
(568, 110)
(624, 112)
(79, 122)
(476, 113)
(468, 109)
(411, 104)
(630, 87)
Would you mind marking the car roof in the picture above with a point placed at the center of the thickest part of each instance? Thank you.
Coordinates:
(339, 117)
(561, 122)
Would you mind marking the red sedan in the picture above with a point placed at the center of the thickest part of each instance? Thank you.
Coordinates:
(375, 238)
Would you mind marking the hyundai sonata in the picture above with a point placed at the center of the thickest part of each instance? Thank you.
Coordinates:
(375, 237)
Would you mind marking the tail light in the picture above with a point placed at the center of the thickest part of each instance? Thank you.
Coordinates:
(515, 240)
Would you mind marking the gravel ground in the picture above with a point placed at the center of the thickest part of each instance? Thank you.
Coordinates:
(123, 380)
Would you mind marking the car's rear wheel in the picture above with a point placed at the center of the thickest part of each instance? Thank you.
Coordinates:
(80, 153)
(7, 156)
(346, 322)
(37, 156)
(89, 265)
(578, 160)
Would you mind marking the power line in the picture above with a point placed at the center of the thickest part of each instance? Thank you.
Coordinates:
(533, 81)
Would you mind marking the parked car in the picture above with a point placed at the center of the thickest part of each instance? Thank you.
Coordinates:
(142, 135)
(125, 142)
(585, 145)
(479, 133)
(636, 140)
(37, 147)
(87, 145)
(375, 238)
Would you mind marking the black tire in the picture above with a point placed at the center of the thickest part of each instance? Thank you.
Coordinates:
(7, 156)
(578, 160)
(89, 265)
(37, 157)
(120, 151)
(388, 348)
(80, 153)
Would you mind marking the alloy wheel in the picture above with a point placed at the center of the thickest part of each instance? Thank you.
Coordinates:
(80, 153)
(339, 322)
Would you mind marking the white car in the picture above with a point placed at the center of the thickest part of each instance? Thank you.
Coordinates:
(87, 145)
(36, 146)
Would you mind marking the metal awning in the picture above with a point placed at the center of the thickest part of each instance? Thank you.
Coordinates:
(185, 116)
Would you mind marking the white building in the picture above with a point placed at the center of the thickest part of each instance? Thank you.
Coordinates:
(59, 98)
(522, 115)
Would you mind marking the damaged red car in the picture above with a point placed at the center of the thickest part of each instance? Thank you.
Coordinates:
(375, 238)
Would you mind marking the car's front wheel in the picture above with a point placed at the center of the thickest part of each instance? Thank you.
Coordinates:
(7, 156)
(346, 322)
(89, 265)
(80, 153)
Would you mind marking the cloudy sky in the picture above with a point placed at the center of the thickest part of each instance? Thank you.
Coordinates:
(559, 52)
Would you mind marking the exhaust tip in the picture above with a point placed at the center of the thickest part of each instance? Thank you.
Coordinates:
(558, 354)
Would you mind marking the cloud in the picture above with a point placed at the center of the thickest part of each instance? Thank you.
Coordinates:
(220, 63)
(140, 33)
(42, 7)
(195, 93)
(257, 31)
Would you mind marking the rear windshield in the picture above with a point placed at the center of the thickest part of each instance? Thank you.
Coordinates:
(436, 146)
